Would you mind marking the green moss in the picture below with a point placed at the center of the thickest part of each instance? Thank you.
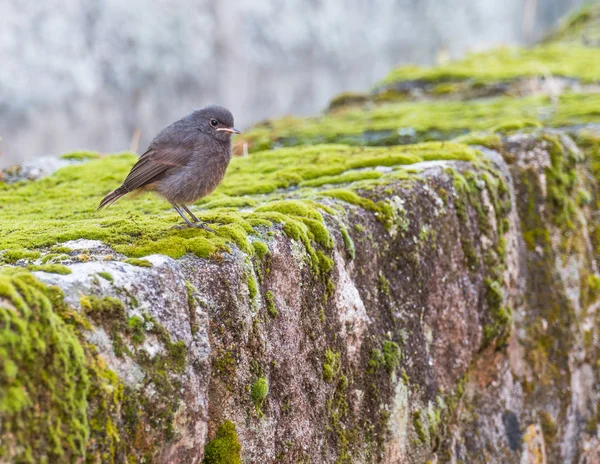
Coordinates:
(582, 26)
(348, 242)
(293, 208)
(272, 170)
(105, 400)
(224, 363)
(391, 356)
(301, 221)
(142, 227)
(259, 392)
(343, 436)
(12, 256)
(81, 155)
(485, 139)
(494, 293)
(593, 422)
(409, 122)
(534, 236)
(138, 262)
(516, 126)
(331, 365)
(405, 377)
(137, 326)
(261, 250)
(106, 276)
(468, 189)
(109, 312)
(50, 258)
(270, 299)
(163, 370)
(60, 249)
(54, 384)
(593, 287)
(383, 285)
(102, 309)
(561, 182)
(225, 448)
(325, 263)
(505, 64)
(382, 210)
(584, 198)
(446, 88)
(191, 300)
(347, 99)
(418, 426)
(375, 361)
(387, 358)
(44, 381)
(51, 268)
(226, 201)
(347, 177)
(73, 192)
(549, 426)
(263, 267)
(501, 316)
(252, 285)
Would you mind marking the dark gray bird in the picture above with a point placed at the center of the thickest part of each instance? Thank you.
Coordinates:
(185, 162)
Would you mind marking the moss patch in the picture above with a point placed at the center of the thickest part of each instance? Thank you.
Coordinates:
(383, 211)
(138, 262)
(387, 358)
(582, 26)
(506, 64)
(331, 366)
(44, 378)
(58, 400)
(65, 203)
(410, 122)
(225, 448)
(81, 155)
(259, 392)
(51, 268)
(146, 421)
(270, 300)
(391, 355)
(106, 276)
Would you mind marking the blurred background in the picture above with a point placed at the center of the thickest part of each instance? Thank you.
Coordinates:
(89, 75)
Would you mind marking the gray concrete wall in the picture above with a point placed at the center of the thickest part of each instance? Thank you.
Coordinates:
(77, 74)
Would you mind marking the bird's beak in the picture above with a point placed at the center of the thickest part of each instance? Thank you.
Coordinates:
(233, 130)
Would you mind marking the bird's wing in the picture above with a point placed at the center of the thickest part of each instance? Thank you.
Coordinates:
(155, 161)
(172, 147)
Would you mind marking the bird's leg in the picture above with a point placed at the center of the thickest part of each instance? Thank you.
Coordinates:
(197, 222)
(187, 210)
(187, 221)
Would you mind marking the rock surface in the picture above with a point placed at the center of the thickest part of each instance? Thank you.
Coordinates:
(435, 302)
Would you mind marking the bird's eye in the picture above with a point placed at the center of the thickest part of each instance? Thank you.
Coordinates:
(214, 122)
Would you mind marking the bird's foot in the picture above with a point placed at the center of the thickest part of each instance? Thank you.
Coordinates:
(197, 225)
(201, 225)
(182, 226)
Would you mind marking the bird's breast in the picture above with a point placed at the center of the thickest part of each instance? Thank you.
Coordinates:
(197, 180)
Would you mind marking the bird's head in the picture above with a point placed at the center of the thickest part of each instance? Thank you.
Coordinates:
(216, 122)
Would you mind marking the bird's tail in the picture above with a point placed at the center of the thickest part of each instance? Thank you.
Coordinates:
(112, 197)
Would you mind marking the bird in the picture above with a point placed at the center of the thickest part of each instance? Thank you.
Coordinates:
(186, 161)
